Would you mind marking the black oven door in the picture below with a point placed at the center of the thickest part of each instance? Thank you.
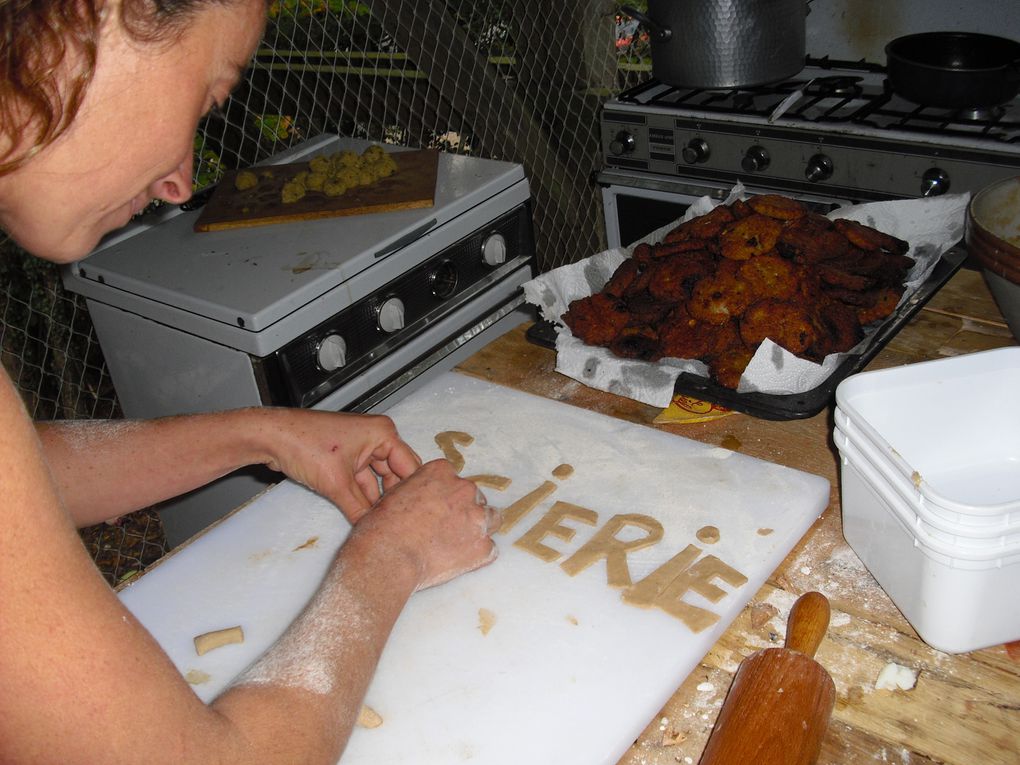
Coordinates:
(635, 205)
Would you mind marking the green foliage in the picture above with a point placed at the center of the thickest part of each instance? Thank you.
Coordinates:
(275, 127)
(304, 8)
(208, 164)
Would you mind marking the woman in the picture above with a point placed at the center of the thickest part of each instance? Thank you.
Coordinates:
(98, 107)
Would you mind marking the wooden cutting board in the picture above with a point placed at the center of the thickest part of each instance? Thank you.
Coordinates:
(534, 659)
(413, 185)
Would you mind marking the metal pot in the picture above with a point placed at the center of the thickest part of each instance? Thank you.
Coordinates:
(954, 69)
(724, 43)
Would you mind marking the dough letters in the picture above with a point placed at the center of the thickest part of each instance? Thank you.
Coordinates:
(664, 588)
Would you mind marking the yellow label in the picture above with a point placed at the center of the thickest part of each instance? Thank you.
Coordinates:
(688, 409)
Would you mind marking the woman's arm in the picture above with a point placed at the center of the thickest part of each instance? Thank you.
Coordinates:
(82, 681)
(106, 468)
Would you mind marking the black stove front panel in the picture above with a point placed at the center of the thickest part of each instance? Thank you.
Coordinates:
(310, 367)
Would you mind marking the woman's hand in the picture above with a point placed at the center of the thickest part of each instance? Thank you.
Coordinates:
(341, 456)
(439, 520)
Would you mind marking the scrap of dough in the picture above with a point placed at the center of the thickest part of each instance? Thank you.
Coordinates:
(563, 471)
(486, 620)
(895, 677)
(488, 481)
(708, 534)
(368, 717)
(197, 677)
(208, 641)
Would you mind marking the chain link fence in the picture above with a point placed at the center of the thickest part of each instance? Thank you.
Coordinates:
(517, 80)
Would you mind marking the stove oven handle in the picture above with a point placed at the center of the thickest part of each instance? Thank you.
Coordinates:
(406, 239)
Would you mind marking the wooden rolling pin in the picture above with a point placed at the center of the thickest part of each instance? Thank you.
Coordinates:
(778, 707)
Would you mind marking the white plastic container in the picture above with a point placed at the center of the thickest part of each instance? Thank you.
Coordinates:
(953, 526)
(931, 492)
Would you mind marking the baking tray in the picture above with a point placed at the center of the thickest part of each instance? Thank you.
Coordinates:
(793, 406)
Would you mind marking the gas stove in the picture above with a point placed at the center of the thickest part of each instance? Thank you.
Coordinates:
(837, 130)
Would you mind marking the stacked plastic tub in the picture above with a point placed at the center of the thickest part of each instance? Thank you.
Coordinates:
(930, 475)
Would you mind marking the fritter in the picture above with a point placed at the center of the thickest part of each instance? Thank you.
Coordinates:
(812, 238)
(835, 276)
(770, 276)
(672, 279)
(681, 336)
(720, 297)
(596, 319)
(623, 277)
(707, 226)
(868, 238)
(882, 303)
(840, 327)
(726, 368)
(637, 342)
(787, 324)
(778, 207)
(754, 235)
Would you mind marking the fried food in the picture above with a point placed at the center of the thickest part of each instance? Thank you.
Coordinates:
(868, 238)
(787, 324)
(718, 298)
(882, 302)
(623, 277)
(681, 336)
(703, 227)
(812, 238)
(777, 206)
(727, 367)
(718, 285)
(597, 319)
(770, 276)
(754, 235)
(672, 279)
(638, 342)
(840, 327)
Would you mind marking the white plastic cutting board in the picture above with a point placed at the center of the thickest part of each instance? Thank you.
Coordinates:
(566, 671)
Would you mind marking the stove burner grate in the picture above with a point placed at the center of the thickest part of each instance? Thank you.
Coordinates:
(855, 93)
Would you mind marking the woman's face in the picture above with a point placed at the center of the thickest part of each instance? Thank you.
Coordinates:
(132, 140)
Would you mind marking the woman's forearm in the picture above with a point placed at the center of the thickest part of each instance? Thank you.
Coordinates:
(321, 667)
(106, 468)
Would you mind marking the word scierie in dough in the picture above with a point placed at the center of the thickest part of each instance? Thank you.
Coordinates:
(664, 588)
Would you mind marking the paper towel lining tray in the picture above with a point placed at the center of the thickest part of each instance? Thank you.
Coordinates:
(792, 406)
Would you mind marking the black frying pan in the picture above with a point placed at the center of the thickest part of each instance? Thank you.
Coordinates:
(954, 69)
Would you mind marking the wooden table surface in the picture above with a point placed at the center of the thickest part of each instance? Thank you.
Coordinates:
(964, 709)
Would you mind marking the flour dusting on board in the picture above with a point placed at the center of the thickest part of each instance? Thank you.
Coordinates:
(672, 522)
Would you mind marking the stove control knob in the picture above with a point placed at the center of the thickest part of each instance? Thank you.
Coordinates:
(623, 143)
(494, 250)
(755, 160)
(331, 353)
(391, 315)
(934, 182)
(696, 151)
(819, 168)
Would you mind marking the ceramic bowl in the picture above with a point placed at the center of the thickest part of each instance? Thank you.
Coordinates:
(993, 239)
